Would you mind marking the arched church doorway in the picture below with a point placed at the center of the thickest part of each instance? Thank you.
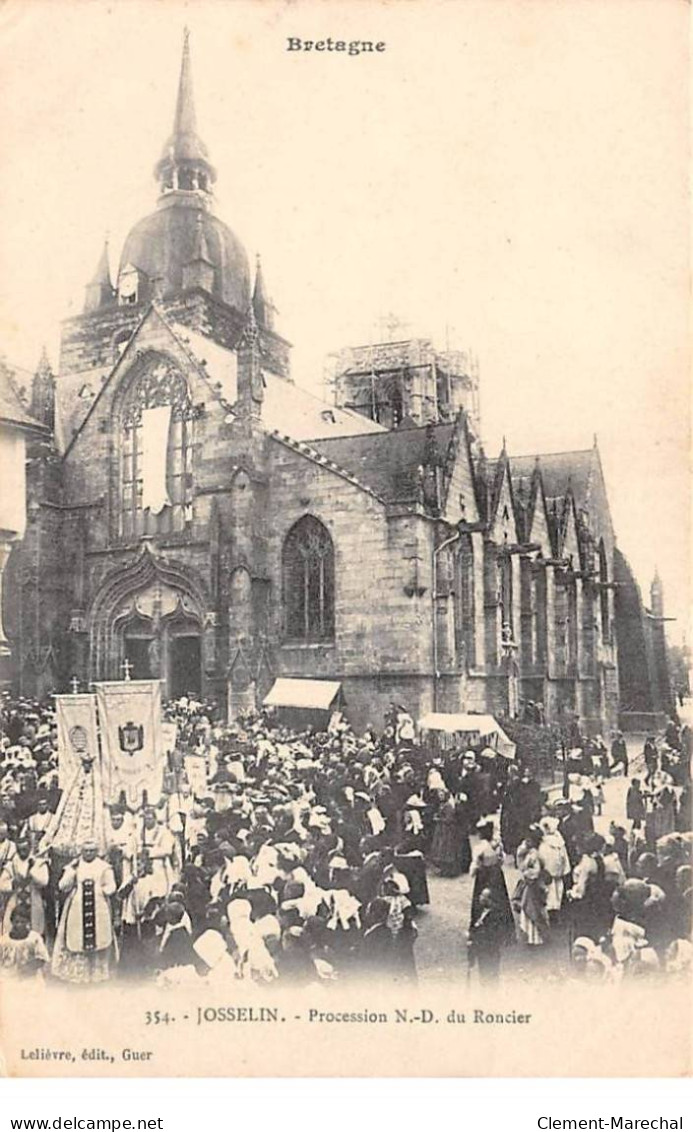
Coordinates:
(148, 621)
(185, 666)
(158, 631)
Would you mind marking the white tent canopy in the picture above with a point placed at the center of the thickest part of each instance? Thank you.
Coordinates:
(484, 728)
(319, 695)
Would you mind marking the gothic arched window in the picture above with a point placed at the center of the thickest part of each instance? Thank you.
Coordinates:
(604, 594)
(159, 383)
(308, 578)
(505, 566)
(465, 607)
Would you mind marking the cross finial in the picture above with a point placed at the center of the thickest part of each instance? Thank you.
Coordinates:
(74, 685)
(127, 668)
(389, 324)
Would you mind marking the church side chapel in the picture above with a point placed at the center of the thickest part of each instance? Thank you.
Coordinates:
(196, 517)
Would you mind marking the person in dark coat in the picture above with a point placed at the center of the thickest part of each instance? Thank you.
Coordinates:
(176, 948)
(376, 956)
(672, 736)
(511, 817)
(619, 752)
(487, 936)
(409, 860)
(403, 962)
(487, 871)
(590, 896)
(445, 850)
(475, 785)
(636, 807)
(511, 830)
(651, 759)
(528, 800)
(463, 824)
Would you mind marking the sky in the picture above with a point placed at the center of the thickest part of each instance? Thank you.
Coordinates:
(508, 176)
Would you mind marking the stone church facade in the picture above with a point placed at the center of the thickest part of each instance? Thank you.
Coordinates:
(367, 539)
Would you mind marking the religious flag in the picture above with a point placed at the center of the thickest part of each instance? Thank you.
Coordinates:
(196, 772)
(169, 735)
(134, 759)
(155, 428)
(77, 734)
(79, 817)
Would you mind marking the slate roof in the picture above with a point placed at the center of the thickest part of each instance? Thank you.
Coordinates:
(12, 411)
(296, 412)
(559, 470)
(387, 462)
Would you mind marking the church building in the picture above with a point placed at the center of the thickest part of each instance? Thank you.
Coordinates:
(195, 516)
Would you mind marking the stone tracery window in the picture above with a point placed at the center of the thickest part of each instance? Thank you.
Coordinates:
(308, 578)
(604, 594)
(158, 383)
(465, 606)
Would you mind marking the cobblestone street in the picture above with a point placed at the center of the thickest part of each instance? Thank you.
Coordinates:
(441, 952)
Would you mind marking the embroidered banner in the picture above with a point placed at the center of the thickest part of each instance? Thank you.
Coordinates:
(80, 814)
(134, 759)
(77, 734)
(155, 429)
(169, 735)
(196, 772)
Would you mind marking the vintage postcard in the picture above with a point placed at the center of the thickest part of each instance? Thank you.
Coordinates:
(344, 538)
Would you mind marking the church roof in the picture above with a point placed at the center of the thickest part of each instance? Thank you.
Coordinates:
(560, 472)
(568, 480)
(102, 275)
(388, 462)
(296, 412)
(12, 411)
(287, 408)
(165, 242)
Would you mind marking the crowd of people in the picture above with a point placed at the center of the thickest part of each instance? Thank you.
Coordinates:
(275, 855)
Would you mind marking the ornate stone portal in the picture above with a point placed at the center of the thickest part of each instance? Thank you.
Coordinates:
(152, 615)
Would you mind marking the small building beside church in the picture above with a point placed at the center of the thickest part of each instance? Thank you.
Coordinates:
(195, 513)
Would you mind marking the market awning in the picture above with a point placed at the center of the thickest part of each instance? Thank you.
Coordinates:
(462, 723)
(320, 695)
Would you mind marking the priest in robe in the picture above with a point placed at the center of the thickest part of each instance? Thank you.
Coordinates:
(7, 852)
(155, 871)
(121, 848)
(85, 948)
(23, 882)
(37, 823)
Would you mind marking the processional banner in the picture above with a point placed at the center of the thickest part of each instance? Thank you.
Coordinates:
(131, 740)
(77, 734)
(196, 773)
(79, 817)
(169, 736)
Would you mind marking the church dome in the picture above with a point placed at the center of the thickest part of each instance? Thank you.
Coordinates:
(183, 231)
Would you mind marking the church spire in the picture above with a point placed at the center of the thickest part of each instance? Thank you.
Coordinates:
(263, 307)
(42, 406)
(250, 380)
(184, 164)
(657, 595)
(100, 289)
(102, 275)
(185, 122)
